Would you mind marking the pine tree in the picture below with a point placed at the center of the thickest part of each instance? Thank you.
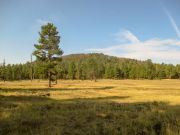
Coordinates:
(79, 71)
(72, 70)
(92, 69)
(48, 50)
(117, 73)
(109, 72)
(83, 71)
(4, 70)
(31, 69)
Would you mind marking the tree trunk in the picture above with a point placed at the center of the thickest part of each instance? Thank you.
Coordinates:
(94, 78)
(56, 79)
(31, 78)
(49, 79)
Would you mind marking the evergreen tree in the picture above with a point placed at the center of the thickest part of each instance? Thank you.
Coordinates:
(48, 50)
(92, 69)
(109, 71)
(83, 71)
(178, 70)
(72, 71)
(117, 73)
(149, 69)
(4, 70)
(80, 71)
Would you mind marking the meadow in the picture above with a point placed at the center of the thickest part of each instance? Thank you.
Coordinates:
(105, 107)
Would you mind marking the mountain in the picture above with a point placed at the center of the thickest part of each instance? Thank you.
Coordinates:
(98, 56)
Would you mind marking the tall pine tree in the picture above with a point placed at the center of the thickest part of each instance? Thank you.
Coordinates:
(48, 50)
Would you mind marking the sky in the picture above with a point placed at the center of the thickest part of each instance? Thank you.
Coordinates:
(138, 29)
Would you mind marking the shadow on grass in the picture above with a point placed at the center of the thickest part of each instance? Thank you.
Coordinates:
(23, 99)
(52, 89)
(92, 116)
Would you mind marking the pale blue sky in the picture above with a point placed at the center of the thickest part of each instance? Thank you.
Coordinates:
(139, 29)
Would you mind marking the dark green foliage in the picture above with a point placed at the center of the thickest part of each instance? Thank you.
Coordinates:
(109, 71)
(92, 66)
(95, 116)
(3, 71)
(48, 51)
(72, 71)
(150, 69)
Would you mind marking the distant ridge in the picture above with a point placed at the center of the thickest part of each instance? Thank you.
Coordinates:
(81, 56)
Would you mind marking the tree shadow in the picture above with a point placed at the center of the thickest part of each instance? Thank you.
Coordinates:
(32, 90)
(23, 99)
(96, 116)
(92, 99)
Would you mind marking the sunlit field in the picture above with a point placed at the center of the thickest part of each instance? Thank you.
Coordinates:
(134, 90)
(126, 107)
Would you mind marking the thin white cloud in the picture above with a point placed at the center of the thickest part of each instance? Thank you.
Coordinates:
(159, 50)
(126, 36)
(37, 25)
(173, 23)
(41, 21)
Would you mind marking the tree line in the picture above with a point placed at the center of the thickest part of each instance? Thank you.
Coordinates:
(91, 66)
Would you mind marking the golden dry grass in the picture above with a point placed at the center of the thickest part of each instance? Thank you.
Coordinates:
(135, 90)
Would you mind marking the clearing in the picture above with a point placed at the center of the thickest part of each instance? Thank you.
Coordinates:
(86, 107)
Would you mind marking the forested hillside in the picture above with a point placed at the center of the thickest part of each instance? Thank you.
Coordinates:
(92, 66)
